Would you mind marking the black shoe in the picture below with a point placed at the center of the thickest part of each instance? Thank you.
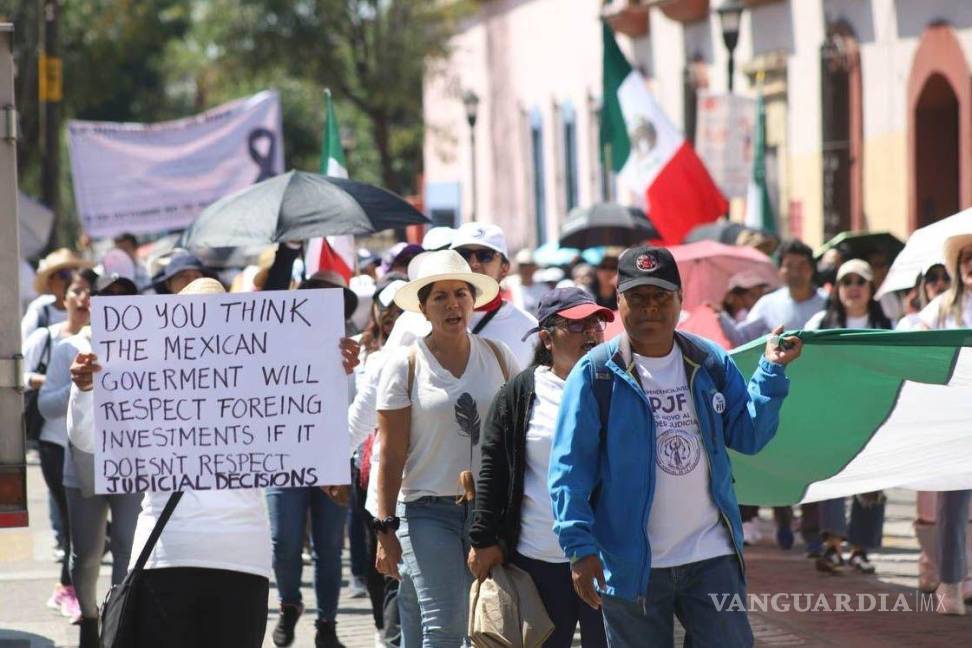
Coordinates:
(830, 562)
(326, 636)
(859, 561)
(89, 633)
(283, 634)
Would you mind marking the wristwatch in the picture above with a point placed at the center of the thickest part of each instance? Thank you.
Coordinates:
(390, 523)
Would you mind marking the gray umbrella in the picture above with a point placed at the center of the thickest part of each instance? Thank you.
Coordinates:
(606, 224)
(297, 206)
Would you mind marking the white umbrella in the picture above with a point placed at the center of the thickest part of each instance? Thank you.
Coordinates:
(924, 247)
(36, 221)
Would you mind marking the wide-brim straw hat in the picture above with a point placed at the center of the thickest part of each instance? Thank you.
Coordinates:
(444, 265)
(203, 286)
(63, 259)
(953, 248)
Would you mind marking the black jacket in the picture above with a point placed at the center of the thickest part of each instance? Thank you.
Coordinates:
(499, 489)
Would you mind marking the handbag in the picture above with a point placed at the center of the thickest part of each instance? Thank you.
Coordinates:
(33, 420)
(119, 609)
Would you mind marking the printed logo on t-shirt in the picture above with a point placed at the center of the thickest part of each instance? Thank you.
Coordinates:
(677, 447)
(678, 453)
(467, 416)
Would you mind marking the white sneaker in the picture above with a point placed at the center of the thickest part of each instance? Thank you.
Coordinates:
(950, 599)
(379, 639)
(751, 532)
(357, 588)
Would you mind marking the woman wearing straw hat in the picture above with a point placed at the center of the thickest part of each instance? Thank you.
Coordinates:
(431, 397)
(950, 310)
(51, 282)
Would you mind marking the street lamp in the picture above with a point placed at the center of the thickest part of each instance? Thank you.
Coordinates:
(730, 15)
(471, 102)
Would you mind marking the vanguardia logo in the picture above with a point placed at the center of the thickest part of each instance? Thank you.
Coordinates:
(818, 602)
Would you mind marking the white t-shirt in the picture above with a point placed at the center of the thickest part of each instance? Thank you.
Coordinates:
(537, 539)
(213, 529)
(447, 413)
(813, 324)
(684, 525)
(931, 315)
(507, 326)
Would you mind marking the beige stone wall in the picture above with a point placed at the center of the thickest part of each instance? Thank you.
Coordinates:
(886, 183)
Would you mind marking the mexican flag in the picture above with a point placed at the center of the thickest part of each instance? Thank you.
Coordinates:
(650, 155)
(759, 209)
(867, 410)
(337, 252)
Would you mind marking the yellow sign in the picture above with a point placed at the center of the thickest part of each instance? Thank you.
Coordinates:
(49, 78)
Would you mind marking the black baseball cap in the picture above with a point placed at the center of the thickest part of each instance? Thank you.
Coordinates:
(569, 303)
(648, 266)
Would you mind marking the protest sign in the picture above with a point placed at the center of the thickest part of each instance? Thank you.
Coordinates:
(724, 140)
(217, 392)
(158, 177)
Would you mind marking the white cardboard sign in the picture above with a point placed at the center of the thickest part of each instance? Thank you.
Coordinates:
(220, 392)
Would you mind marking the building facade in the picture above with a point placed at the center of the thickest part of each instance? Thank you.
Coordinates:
(869, 107)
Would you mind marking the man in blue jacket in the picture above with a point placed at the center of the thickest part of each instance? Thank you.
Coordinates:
(640, 478)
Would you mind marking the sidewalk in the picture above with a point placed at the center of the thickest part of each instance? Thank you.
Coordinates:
(27, 576)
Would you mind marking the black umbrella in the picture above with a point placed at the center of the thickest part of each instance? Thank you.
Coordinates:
(859, 245)
(297, 206)
(722, 231)
(606, 224)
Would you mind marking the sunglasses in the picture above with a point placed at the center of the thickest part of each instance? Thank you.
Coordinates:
(853, 281)
(579, 326)
(482, 255)
(64, 275)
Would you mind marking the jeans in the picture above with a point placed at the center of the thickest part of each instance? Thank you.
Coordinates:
(288, 509)
(953, 516)
(193, 607)
(88, 517)
(52, 468)
(434, 534)
(866, 522)
(691, 593)
(564, 607)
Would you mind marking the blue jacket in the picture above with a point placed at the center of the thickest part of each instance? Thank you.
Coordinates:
(602, 488)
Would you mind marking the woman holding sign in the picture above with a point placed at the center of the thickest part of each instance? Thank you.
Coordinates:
(52, 404)
(431, 398)
(206, 581)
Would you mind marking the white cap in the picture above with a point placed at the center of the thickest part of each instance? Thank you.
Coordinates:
(482, 235)
(387, 293)
(438, 238)
(525, 257)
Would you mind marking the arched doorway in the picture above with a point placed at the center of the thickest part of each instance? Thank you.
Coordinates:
(842, 131)
(936, 151)
(939, 129)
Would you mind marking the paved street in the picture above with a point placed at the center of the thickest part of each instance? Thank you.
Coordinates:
(27, 574)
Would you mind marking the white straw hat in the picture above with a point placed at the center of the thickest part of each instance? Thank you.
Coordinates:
(444, 265)
(953, 248)
(203, 286)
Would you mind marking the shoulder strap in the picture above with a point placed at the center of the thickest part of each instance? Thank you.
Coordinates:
(157, 531)
(411, 370)
(47, 316)
(603, 384)
(499, 358)
(486, 319)
(45, 358)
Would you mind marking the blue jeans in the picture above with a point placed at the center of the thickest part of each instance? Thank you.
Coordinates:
(866, 522)
(434, 534)
(288, 517)
(953, 518)
(689, 592)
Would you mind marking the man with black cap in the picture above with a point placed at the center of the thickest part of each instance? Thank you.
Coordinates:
(639, 473)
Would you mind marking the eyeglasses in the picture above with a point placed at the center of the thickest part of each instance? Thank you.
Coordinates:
(580, 326)
(484, 255)
(852, 281)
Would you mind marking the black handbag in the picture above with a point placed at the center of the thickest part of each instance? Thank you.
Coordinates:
(119, 608)
(33, 421)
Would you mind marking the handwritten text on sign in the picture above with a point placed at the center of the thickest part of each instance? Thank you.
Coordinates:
(215, 392)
